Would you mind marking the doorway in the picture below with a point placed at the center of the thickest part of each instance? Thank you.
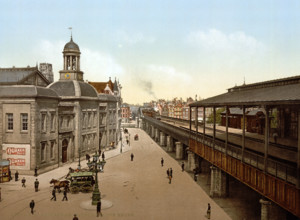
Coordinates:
(65, 150)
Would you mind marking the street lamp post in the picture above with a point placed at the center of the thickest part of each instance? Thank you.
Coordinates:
(94, 165)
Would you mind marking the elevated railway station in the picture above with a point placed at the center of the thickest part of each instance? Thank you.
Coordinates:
(263, 152)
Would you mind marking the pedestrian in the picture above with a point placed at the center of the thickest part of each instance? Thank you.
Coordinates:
(127, 141)
(87, 157)
(170, 179)
(171, 172)
(16, 176)
(65, 195)
(23, 182)
(35, 171)
(36, 185)
(168, 173)
(162, 161)
(9, 173)
(31, 205)
(75, 217)
(208, 211)
(53, 195)
(182, 166)
(99, 208)
(195, 177)
(103, 156)
(131, 156)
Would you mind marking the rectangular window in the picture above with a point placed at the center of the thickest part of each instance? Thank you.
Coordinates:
(43, 122)
(89, 119)
(95, 119)
(10, 121)
(43, 151)
(52, 121)
(24, 121)
(52, 149)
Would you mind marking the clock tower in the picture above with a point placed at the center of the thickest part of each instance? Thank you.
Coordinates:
(71, 70)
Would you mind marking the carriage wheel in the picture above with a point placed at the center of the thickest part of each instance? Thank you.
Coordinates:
(86, 188)
(74, 189)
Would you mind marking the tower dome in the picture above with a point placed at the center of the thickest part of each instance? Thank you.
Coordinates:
(71, 46)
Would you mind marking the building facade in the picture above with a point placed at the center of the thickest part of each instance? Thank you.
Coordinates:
(44, 125)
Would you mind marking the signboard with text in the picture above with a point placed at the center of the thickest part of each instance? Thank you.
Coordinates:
(18, 155)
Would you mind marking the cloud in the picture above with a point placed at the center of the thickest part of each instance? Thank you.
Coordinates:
(96, 66)
(217, 41)
(122, 37)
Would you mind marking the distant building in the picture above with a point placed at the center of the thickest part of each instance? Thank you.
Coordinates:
(125, 112)
(46, 70)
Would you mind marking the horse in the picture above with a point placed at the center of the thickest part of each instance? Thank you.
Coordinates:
(58, 184)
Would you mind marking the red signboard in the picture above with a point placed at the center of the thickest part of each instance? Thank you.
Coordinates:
(16, 162)
(15, 151)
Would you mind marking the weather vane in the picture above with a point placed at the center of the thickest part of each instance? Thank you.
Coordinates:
(70, 28)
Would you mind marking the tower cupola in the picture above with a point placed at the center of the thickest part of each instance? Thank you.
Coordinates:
(71, 68)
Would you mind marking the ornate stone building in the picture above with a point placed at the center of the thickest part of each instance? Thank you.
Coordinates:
(44, 125)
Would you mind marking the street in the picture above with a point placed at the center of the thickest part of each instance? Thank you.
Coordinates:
(137, 189)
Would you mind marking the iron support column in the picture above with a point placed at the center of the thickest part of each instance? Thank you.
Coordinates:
(214, 127)
(243, 137)
(267, 124)
(226, 138)
(298, 156)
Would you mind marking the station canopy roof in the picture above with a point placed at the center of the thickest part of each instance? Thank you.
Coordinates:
(274, 92)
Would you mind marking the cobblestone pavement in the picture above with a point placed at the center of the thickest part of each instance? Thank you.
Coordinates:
(137, 189)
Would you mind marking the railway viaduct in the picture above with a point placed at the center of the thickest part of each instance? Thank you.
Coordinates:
(265, 163)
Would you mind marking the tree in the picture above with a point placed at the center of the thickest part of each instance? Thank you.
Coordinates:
(218, 116)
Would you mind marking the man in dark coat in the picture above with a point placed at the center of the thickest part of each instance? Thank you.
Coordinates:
(53, 195)
(208, 211)
(99, 208)
(36, 185)
(31, 205)
(132, 156)
(9, 173)
(75, 217)
(162, 161)
(16, 176)
(23, 182)
(168, 173)
(65, 195)
(171, 172)
(182, 166)
(103, 156)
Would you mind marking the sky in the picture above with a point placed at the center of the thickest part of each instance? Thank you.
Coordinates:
(158, 49)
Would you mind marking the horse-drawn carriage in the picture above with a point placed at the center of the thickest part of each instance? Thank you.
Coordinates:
(81, 181)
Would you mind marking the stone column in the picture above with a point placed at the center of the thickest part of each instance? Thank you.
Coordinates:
(270, 211)
(170, 144)
(191, 161)
(162, 139)
(179, 150)
(152, 132)
(156, 135)
(219, 185)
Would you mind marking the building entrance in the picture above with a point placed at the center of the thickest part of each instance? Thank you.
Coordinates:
(64, 151)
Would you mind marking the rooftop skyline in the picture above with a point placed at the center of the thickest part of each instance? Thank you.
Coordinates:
(157, 49)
